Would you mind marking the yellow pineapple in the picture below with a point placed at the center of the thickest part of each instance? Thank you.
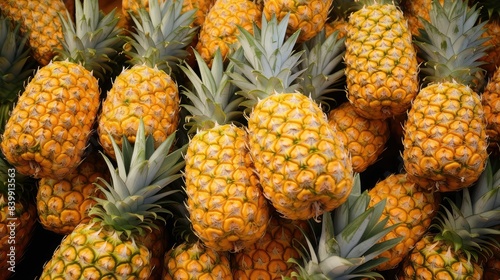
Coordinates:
(490, 99)
(445, 143)
(381, 61)
(41, 20)
(227, 209)
(463, 232)
(146, 89)
(52, 121)
(193, 260)
(408, 207)
(307, 16)
(109, 244)
(364, 138)
(63, 204)
(268, 257)
(302, 166)
(220, 28)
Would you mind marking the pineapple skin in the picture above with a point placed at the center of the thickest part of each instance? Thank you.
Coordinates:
(196, 261)
(406, 204)
(308, 16)
(381, 62)
(95, 252)
(220, 27)
(445, 144)
(49, 127)
(41, 20)
(435, 260)
(268, 257)
(63, 204)
(490, 99)
(303, 167)
(139, 92)
(227, 209)
(364, 138)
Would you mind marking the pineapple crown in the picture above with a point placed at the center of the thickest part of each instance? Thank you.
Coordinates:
(162, 34)
(268, 63)
(322, 67)
(212, 96)
(348, 244)
(450, 43)
(92, 40)
(14, 65)
(15, 68)
(468, 223)
(132, 199)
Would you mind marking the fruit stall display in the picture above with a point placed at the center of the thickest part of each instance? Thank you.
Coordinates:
(238, 139)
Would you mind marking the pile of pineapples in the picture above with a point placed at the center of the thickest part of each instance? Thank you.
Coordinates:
(240, 139)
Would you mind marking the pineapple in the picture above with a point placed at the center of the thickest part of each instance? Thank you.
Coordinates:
(52, 121)
(406, 205)
(227, 209)
(147, 90)
(364, 138)
(307, 16)
(347, 245)
(268, 257)
(490, 99)
(463, 231)
(302, 166)
(381, 61)
(107, 245)
(42, 20)
(221, 26)
(445, 144)
(63, 204)
(194, 260)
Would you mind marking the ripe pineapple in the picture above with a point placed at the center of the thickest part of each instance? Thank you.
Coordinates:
(490, 99)
(303, 168)
(307, 16)
(347, 245)
(42, 21)
(381, 61)
(194, 260)
(63, 204)
(226, 206)
(463, 231)
(409, 207)
(268, 257)
(364, 138)
(221, 26)
(445, 134)
(146, 90)
(52, 121)
(107, 245)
